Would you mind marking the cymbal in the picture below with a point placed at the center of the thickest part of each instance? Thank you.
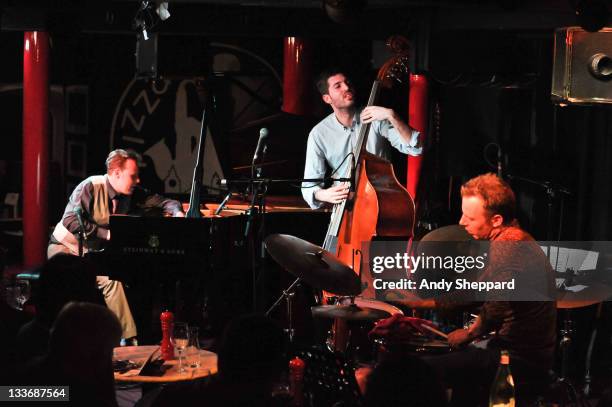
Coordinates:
(450, 233)
(316, 266)
(594, 293)
(348, 312)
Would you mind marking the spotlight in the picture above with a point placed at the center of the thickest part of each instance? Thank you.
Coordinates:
(148, 15)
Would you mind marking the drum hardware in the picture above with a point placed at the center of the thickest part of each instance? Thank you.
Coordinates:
(312, 264)
(287, 295)
(565, 343)
(587, 371)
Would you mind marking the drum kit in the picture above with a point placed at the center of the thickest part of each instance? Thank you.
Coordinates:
(322, 270)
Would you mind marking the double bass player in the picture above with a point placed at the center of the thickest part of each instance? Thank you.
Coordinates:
(332, 140)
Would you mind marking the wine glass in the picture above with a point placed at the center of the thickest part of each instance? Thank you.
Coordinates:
(192, 352)
(17, 294)
(22, 292)
(180, 340)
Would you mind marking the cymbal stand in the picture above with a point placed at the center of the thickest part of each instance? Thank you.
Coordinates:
(287, 295)
(565, 343)
(570, 392)
(587, 375)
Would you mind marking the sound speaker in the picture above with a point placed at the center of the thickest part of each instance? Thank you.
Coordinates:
(582, 66)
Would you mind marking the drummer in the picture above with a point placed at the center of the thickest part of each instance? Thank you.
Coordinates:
(525, 328)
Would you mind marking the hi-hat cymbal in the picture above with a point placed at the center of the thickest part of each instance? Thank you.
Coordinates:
(313, 264)
(348, 312)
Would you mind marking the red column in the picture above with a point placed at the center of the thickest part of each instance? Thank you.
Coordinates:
(418, 114)
(35, 146)
(297, 76)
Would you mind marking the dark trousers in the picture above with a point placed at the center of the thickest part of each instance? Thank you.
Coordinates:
(468, 372)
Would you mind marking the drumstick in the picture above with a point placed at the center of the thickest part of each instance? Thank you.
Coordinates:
(434, 330)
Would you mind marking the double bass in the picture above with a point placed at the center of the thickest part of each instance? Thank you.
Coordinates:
(378, 207)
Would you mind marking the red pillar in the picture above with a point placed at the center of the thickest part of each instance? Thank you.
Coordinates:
(297, 76)
(418, 114)
(35, 146)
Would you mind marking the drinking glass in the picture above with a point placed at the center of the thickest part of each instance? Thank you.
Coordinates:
(180, 339)
(193, 348)
(22, 292)
(17, 294)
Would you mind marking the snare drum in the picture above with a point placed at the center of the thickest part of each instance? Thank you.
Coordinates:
(355, 340)
(412, 346)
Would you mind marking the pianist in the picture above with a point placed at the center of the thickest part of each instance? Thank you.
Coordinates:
(89, 208)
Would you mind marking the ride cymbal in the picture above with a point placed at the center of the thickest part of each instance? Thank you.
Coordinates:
(313, 264)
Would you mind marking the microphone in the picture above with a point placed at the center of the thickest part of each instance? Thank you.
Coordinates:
(78, 211)
(261, 143)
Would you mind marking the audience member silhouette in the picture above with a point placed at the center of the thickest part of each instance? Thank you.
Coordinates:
(10, 322)
(63, 278)
(80, 355)
(251, 358)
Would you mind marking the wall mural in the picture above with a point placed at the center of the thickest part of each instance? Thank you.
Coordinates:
(155, 119)
(161, 119)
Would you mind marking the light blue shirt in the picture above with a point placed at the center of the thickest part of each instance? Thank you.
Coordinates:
(330, 142)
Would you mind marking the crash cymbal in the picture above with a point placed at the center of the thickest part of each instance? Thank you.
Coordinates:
(316, 266)
(594, 293)
(348, 312)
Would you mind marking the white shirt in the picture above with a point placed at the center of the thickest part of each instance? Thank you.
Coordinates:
(330, 142)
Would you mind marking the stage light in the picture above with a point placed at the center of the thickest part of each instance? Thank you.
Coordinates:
(148, 15)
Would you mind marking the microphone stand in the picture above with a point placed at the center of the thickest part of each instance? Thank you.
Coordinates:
(223, 203)
(259, 190)
(82, 235)
(567, 330)
(552, 192)
(258, 198)
(82, 239)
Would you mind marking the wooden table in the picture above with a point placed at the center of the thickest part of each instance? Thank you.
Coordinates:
(139, 354)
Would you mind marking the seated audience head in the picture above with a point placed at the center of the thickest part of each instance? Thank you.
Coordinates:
(65, 278)
(81, 351)
(84, 336)
(252, 347)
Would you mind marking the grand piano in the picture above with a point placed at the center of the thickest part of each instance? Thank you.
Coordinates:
(204, 269)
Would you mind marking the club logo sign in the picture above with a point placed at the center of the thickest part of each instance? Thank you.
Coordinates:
(161, 121)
